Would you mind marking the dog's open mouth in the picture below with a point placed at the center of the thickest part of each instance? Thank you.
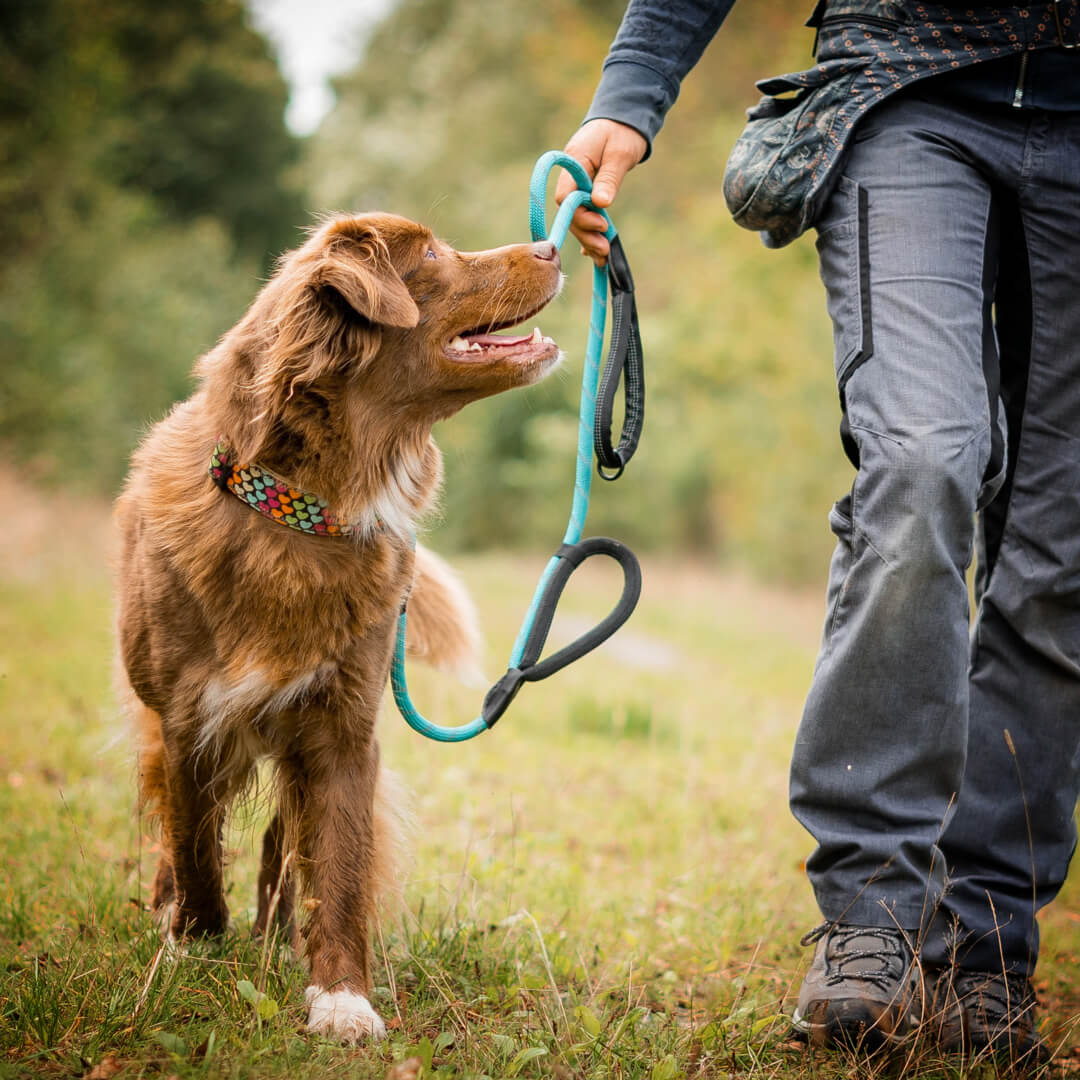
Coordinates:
(472, 347)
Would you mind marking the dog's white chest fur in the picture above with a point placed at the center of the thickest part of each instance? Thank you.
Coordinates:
(233, 703)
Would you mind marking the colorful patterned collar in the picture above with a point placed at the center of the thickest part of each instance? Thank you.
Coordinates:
(254, 486)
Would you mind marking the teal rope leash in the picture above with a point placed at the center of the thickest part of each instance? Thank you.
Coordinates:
(593, 431)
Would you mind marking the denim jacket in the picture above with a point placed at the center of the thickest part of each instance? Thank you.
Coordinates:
(785, 163)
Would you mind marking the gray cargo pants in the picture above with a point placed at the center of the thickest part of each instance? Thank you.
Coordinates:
(937, 764)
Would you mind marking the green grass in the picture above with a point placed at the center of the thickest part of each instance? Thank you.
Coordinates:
(607, 885)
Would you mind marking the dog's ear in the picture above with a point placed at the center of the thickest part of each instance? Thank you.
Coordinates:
(309, 332)
(357, 265)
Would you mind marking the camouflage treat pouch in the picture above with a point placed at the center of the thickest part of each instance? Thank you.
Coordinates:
(787, 159)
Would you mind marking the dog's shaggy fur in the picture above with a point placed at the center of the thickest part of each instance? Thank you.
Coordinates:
(241, 638)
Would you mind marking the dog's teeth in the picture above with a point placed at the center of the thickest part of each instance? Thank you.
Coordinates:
(459, 344)
(474, 347)
(537, 337)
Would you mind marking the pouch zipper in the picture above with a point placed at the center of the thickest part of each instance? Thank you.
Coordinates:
(855, 20)
(1018, 96)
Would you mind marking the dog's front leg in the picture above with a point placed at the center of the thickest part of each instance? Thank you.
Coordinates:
(337, 849)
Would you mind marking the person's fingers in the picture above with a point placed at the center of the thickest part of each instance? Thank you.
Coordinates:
(609, 177)
(593, 242)
(589, 219)
(622, 149)
(607, 151)
(588, 228)
(595, 245)
(586, 146)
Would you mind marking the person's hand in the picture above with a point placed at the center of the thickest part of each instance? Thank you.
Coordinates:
(608, 151)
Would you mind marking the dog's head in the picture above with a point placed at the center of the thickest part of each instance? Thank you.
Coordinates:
(375, 308)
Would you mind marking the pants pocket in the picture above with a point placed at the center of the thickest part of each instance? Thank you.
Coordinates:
(844, 257)
(843, 251)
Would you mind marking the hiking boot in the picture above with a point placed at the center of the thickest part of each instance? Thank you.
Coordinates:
(864, 988)
(979, 1011)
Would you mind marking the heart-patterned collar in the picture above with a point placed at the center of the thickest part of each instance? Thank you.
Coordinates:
(273, 498)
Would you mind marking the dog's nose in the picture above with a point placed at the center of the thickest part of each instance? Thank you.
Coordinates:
(547, 251)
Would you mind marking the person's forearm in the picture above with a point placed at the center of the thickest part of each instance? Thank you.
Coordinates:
(658, 42)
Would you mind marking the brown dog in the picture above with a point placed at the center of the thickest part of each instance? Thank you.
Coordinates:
(242, 637)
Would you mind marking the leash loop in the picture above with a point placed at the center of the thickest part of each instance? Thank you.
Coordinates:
(624, 356)
(594, 435)
(530, 668)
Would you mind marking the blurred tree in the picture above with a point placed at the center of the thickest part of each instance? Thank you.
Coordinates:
(182, 101)
(202, 103)
(147, 182)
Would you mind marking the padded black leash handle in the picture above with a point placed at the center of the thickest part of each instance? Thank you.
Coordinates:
(531, 668)
(625, 355)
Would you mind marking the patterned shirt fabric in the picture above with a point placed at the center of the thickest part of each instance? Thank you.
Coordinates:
(273, 498)
(659, 41)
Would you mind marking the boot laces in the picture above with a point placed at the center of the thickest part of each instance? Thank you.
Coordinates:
(890, 953)
(1000, 998)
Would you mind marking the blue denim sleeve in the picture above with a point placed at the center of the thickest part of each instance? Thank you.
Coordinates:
(658, 43)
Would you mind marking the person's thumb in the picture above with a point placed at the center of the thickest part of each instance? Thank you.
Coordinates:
(606, 183)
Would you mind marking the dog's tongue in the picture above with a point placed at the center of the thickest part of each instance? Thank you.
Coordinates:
(484, 340)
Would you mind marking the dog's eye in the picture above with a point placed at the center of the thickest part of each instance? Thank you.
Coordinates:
(430, 254)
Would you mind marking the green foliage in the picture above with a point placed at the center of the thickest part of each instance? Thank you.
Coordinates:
(266, 1008)
(202, 103)
(145, 185)
(182, 102)
(94, 348)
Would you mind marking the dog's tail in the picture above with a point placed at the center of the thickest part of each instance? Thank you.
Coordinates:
(394, 832)
(442, 628)
(149, 746)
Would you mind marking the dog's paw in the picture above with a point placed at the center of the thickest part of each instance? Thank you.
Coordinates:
(343, 1014)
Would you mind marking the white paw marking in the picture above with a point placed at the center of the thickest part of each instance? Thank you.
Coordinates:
(342, 1013)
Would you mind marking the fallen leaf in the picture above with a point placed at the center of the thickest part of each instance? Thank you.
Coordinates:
(409, 1069)
(105, 1069)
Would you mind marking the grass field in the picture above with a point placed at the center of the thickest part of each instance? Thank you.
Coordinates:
(609, 884)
